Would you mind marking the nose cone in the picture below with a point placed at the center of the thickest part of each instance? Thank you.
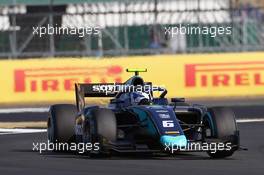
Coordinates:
(174, 141)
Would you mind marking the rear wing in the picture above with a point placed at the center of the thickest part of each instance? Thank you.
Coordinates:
(101, 90)
(94, 90)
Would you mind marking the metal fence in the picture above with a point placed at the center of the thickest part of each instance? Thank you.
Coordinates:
(129, 28)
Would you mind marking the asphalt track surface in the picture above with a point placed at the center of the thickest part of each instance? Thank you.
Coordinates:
(17, 157)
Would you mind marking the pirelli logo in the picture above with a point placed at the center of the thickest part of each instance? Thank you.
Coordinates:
(238, 74)
(63, 78)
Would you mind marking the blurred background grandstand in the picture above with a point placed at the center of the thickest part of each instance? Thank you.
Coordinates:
(128, 27)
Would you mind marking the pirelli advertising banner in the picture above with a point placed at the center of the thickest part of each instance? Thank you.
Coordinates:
(191, 76)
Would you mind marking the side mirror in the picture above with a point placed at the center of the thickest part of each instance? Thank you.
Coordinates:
(176, 100)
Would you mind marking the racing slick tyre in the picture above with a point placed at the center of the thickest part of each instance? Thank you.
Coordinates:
(61, 121)
(222, 124)
(103, 130)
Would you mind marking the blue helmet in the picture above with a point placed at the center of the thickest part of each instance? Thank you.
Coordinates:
(140, 98)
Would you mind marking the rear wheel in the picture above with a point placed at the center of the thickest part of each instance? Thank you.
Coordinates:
(221, 124)
(61, 121)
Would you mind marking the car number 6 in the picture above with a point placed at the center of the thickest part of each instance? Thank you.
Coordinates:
(167, 123)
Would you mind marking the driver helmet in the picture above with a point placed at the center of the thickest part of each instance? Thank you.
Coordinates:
(140, 98)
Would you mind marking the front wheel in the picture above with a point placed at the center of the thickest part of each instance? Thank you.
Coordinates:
(100, 129)
(222, 126)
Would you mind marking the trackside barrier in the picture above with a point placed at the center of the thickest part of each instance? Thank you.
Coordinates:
(191, 76)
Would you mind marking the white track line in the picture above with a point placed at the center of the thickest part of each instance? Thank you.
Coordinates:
(247, 120)
(4, 131)
(23, 110)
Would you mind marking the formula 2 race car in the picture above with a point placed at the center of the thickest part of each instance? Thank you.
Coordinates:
(136, 121)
